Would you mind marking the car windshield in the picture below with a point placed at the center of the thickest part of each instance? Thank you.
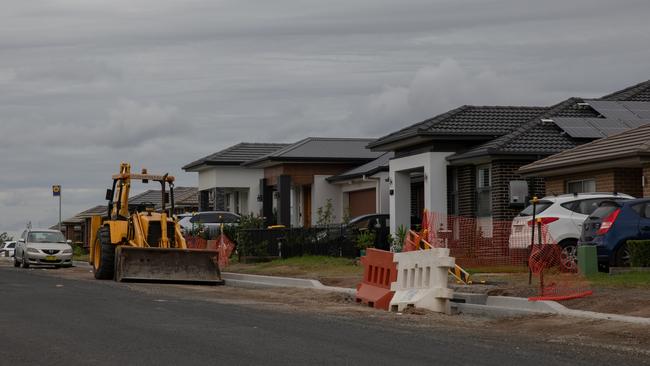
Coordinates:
(539, 208)
(45, 237)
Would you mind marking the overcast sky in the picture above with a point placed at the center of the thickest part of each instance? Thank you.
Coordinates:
(85, 84)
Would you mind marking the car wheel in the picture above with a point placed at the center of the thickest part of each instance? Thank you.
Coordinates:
(16, 263)
(569, 255)
(25, 262)
(622, 258)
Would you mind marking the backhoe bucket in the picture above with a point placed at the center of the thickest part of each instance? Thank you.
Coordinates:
(167, 265)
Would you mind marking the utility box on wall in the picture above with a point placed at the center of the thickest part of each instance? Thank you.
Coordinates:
(518, 193)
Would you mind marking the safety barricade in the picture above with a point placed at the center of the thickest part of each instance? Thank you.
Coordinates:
(379, 273)
(422, 280)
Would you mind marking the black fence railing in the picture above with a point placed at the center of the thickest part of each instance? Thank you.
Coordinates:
(335, 241)
(294, 242)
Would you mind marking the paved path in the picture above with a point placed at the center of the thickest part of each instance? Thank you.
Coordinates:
(55, 321)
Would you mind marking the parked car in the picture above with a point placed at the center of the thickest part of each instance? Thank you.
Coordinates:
(43, 247)
(563, 215)
(612, 224)
(7, 248)
(211, 220)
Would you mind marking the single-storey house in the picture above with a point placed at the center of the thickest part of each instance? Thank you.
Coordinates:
(469, 158)
(294, 185)
(364, 189)
(76, 228)
(225, 185)
(185, 199)
(619, 163)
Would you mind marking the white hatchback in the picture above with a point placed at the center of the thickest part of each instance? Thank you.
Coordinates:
(563, 216)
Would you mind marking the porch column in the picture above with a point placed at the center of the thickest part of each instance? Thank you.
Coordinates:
(400, 200)
(284, 202)
(267, 202)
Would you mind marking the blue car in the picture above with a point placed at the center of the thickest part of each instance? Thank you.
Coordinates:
(611, 225)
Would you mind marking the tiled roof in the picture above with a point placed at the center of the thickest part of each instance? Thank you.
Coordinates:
(635, 93)
(377, 165)
(236, 154)
(100, 210)
(532, 137)
(630, 143)
(183, 196)
(322, 149)
(488, 121)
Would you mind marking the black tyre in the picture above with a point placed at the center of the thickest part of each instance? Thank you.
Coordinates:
(24, 261)
(16, 263)
(105, 270)
(569, 255)
(622, 256)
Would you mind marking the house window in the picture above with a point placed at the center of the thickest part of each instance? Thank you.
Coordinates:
(484, 191)
(581, 186)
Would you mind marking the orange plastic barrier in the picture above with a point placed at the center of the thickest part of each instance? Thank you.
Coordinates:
(378, 274)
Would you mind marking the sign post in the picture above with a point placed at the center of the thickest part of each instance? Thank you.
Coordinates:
(56, 192)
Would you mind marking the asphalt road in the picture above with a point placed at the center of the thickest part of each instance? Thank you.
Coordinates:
(47, 320)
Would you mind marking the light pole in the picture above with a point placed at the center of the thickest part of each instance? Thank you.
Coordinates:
(56, 191)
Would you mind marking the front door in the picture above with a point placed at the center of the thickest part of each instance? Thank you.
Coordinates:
(306, 207)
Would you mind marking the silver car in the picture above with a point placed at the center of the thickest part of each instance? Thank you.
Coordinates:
(43, 247)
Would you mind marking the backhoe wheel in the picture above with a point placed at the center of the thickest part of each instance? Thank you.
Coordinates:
(104, 268)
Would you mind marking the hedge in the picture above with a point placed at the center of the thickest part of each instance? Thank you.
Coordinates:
(639, 252)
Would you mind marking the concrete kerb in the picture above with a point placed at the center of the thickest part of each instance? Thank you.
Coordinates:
(519, 306)
(257, 281)
(467, 303)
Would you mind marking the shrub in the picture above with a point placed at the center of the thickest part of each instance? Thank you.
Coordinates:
(639, 253)
(365, 239)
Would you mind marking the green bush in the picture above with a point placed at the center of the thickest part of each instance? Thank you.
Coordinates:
(365, 239)
(639, 252)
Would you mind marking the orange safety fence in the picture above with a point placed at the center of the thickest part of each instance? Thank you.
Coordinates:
(485, 242)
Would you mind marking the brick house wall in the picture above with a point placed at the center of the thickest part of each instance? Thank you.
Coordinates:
(504, 171)
(467, 190)
(622, 180)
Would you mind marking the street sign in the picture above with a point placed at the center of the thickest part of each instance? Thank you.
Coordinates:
(56, 190)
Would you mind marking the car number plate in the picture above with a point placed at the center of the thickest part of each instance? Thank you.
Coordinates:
(50, 258)
(518, 229)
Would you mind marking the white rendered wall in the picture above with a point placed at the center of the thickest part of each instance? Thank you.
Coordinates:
(434, 165)
(235, 177)
(321, 191)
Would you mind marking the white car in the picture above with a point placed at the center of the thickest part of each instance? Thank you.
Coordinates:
(7, 248)
(44, 247)
(563, 216)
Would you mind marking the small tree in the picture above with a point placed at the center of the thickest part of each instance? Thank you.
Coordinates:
(325, 214)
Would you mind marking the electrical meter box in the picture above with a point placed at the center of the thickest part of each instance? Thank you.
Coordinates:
(518, 193)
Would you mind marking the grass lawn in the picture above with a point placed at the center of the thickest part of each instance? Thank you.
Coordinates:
(314, 267)
(630, 279)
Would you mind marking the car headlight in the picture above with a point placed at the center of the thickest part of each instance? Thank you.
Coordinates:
(32, 250)
(67, 251)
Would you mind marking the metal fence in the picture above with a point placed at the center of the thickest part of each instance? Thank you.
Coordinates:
(336, 241)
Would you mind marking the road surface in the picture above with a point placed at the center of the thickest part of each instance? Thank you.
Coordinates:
(54, 320)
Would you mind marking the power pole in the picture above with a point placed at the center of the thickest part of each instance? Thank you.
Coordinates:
(56, 191)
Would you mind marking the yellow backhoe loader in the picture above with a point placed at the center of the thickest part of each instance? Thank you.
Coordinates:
(144, 244)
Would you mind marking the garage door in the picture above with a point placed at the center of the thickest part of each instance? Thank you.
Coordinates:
(362, 202)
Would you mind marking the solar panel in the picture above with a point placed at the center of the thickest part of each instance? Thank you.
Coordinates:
(578, 127)
(641, 109)
(613, 110)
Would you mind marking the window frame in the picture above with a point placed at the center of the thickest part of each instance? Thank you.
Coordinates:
(483, 190)
(582, 185)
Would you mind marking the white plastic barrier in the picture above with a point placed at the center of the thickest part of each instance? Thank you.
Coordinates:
(422, 280)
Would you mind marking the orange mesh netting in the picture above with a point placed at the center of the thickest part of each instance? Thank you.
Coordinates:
(484, 242)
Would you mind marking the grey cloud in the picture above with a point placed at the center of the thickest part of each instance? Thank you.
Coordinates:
(87, 84)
